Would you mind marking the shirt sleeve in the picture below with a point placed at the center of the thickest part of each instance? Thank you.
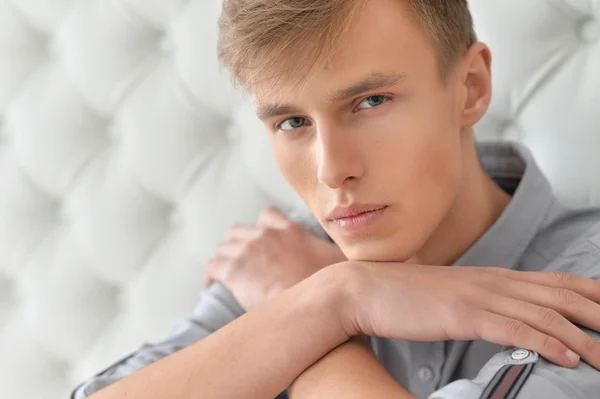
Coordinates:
(217, 307)
(522, 374)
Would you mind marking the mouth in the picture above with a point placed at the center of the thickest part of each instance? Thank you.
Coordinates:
(357, 217)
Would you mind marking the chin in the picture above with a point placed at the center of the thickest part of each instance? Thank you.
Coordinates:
(377, 251)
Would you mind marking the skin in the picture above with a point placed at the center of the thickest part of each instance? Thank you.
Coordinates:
(420, 140)
(317, 305)
(335, 152)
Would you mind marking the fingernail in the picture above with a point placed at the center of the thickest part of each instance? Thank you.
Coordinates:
(572, 356)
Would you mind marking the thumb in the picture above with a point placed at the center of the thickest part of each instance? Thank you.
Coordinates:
(273, 217)
(208, 281)
(208, 274)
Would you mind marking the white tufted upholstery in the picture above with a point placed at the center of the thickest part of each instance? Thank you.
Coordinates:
(125, 155)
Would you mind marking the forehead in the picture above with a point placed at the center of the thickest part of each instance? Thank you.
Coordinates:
(383, 39)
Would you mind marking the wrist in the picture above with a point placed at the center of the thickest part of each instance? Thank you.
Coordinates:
(336, 286)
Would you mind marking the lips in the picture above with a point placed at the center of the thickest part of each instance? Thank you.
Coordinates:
(353, 211)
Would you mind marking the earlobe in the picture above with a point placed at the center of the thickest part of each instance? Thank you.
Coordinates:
(477, 83)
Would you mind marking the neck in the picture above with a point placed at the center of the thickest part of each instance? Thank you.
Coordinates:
(479, 203)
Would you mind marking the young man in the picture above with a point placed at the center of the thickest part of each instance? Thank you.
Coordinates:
(370, 107)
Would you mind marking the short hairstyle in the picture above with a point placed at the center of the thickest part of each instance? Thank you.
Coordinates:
(267, 38)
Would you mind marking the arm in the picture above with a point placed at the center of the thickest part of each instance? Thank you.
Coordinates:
(257, 356)
(349, 371)
(539, 378)
(217, 307)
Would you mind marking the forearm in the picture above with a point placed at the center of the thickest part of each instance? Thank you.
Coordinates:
(216, 308)
(256, 356)
(350, 371)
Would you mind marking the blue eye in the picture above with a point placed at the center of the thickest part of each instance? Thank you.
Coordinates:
(292, 123)
(372, 102)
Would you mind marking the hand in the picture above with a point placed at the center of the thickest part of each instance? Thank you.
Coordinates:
(257, 262)
(436, 303)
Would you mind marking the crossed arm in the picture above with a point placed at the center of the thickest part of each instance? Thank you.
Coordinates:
(350, 371)
(248, 360)
(303, 339)
(245, 359)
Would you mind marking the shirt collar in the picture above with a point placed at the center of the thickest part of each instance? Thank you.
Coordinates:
(505, 242)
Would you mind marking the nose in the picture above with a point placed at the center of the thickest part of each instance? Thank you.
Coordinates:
(339, 159)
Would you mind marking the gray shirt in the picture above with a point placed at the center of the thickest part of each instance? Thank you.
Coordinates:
(534, 233)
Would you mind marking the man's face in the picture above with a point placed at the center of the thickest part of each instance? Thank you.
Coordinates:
(376, 129)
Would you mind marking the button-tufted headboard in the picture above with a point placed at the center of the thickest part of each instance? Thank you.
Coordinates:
(125, 155)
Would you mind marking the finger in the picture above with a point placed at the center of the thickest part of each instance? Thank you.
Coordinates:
(550, 322)
(583, 286)
(208, 281)
(229, 249)
(570, 304)
(243, 232)
(506, 331)
(272, 217)
(216, 269)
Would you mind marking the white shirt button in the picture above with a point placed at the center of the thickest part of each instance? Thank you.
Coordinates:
(520, 354)
(425, 374)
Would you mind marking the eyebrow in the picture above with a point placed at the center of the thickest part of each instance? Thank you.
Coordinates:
(266, 111)
(371, 82)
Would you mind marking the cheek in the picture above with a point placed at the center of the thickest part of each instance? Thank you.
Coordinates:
(427, 160)
(437, 167)
(297, 166)
(421, 147)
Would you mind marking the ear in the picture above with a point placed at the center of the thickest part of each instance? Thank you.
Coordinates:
(477, 83)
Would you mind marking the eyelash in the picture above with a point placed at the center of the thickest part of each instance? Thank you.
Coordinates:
(386, 99)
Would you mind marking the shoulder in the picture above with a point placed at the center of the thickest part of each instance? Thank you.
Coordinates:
(582, 257)
(569, 243)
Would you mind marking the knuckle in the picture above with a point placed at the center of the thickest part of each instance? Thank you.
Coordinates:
(262, 231)
(266, 233)
(549, 344)
(266, 213)
(591, 345)
(291, 226)
(548, 317)
(563, 276)
(514, 327)
(566, 296)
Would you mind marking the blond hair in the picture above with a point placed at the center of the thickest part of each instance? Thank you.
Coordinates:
(266, 38)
